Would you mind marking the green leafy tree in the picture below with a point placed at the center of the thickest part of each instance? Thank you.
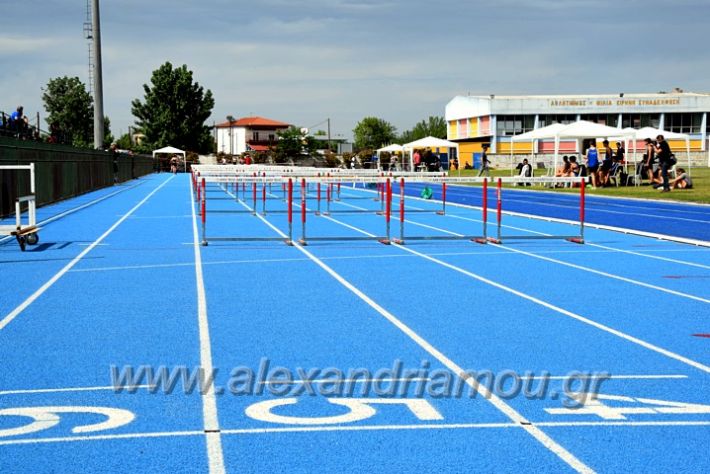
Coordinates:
(174, 110)
(373, 132)
(70, 110)
(292, 144)
(434, 127)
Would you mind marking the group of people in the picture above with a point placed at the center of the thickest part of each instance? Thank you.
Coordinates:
(599, 169)
(17, 125)
(658, 160)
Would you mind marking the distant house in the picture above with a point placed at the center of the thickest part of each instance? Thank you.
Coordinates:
(247, 134)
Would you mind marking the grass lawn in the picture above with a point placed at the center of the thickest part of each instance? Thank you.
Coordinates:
(700, 192)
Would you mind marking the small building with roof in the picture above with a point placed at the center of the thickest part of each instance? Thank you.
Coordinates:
(238, 136)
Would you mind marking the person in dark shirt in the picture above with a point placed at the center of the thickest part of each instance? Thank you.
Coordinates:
(663, 152)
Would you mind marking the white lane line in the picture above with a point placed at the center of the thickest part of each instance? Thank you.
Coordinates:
(341, 257)
(506, 409)
(339, 381)
(604, 247)
(545, 304)
(577, 267)
(356, 380)
(213, 437)
(19, 309)
(590, 225)
(331, 428)
(596, 376)
(62, 390)
(78, 208)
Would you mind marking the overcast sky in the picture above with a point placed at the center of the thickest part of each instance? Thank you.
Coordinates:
(305, 61)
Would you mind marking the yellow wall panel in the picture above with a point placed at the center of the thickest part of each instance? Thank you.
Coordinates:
(453, 130)
(473, 127)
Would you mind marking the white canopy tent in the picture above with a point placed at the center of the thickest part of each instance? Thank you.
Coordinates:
(428, 142)
(652, 133)
(169, 150)
(583, 129)
(393, 148)
(390, 148)
(549, 131)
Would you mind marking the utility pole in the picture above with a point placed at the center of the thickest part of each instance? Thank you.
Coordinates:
(329, 149)
(98, 80)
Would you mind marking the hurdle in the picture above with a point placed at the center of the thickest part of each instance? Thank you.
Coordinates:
(24, 234)
(384, 191)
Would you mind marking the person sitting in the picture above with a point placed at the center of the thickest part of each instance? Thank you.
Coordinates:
(683, 180)
(564, 170)
(574, 168)
(526, 170)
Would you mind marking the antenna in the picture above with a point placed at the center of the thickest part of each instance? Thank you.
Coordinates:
(89, 36)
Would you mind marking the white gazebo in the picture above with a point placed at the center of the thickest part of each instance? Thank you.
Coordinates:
(169, 150)
(548, 132)
(652, 133)
(428, 142)
(584, 129)
(393, 148)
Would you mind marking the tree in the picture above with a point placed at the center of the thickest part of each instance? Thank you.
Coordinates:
(70, 111)
(434, 127)
(174, 110)
(373, 132)
(291, 144)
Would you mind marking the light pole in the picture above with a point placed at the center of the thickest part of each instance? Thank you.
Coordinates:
(231, 147)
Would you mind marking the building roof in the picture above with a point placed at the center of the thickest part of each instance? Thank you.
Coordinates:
(253, 122)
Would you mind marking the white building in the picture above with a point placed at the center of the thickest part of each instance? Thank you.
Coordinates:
(477, 120)
(247, 134)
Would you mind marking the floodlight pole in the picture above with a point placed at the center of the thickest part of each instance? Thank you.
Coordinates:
(98, 80)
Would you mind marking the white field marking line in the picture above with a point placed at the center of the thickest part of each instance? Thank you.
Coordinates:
(71, 389)
(556, 198)
(590, 225)
(578, 267)
(545, 304)
(655, 216)
(619, 377)
(19, 309)
(655, 257)
(97, 245)
(213, 437)
(323, 381)
(160, 217)
(285, 260)
(571, 265)
(331, 428)
(78, 208)
(497, 402)
(426, 379)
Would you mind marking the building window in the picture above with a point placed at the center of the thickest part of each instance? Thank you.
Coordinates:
(602, 119)
(564, 119)
(640, 120)
(272, 137)
(507, 125)
(683, 122)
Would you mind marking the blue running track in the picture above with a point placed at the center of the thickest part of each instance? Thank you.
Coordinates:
(350, 355)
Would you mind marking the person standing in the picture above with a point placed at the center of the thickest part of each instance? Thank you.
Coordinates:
(649, 160)
(484, 162)
(114, 155)
(417, 160)
(592, 156)
(663, 152)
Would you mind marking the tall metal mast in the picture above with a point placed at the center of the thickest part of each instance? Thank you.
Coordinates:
(98, 80)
